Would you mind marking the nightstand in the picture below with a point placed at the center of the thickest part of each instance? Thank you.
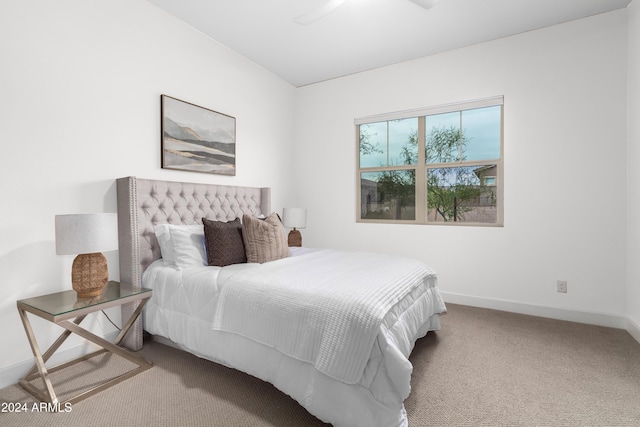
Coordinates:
(60, 308)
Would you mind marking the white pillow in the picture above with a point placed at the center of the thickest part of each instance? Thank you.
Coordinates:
(181, 245)
(164, 241)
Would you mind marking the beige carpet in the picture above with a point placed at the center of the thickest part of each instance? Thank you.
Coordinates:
(485, 368)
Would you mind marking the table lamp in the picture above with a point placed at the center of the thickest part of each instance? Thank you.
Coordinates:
(294, 218)
(87, 235)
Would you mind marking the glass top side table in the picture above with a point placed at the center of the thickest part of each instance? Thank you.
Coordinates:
(59, 308)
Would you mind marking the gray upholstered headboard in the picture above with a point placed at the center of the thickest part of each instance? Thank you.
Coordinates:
(143, 203)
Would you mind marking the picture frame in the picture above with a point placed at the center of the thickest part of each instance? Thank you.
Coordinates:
(197, 139)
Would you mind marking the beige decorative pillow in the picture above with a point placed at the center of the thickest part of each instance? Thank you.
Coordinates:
(264, 239)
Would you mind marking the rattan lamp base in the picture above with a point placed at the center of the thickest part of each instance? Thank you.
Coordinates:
(295, 238)
(89, 274)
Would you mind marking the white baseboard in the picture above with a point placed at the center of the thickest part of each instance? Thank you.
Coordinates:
(591, 318)
(633, 329)
(11, 374)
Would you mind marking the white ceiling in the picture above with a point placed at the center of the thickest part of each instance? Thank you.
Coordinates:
(361, 35)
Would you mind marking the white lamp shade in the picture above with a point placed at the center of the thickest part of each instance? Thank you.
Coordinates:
(86, 233)
(294, 217)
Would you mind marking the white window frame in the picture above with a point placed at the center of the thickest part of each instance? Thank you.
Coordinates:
(421, 167)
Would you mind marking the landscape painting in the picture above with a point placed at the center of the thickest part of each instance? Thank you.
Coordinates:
(197, 139)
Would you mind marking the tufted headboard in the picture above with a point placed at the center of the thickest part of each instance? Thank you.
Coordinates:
(143, 203)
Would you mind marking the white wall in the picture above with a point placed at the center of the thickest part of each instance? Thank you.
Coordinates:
(633, 171)
(80, 87)
(565, 200)
(80, 84)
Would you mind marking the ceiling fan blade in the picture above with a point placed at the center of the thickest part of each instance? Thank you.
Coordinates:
(427, 4)
(312, 16)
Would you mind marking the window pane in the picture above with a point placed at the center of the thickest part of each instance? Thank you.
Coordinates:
(388, 195)
(481, 130)
(403, 142)
(373, 145)
(461, 194)
(389, 143)
(443, 137)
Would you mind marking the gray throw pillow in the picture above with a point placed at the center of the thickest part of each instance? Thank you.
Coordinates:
(224, 242)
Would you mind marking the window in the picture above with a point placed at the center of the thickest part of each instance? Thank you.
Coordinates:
(435, 165)
(489, 180)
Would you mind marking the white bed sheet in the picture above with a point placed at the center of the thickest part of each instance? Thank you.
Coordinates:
(181, 310)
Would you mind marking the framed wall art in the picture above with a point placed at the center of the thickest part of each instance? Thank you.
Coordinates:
(197, 139)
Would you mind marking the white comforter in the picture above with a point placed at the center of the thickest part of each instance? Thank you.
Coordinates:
(370, 391)
(324, 307)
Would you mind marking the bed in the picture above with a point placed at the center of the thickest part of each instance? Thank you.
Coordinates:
(340, 351)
